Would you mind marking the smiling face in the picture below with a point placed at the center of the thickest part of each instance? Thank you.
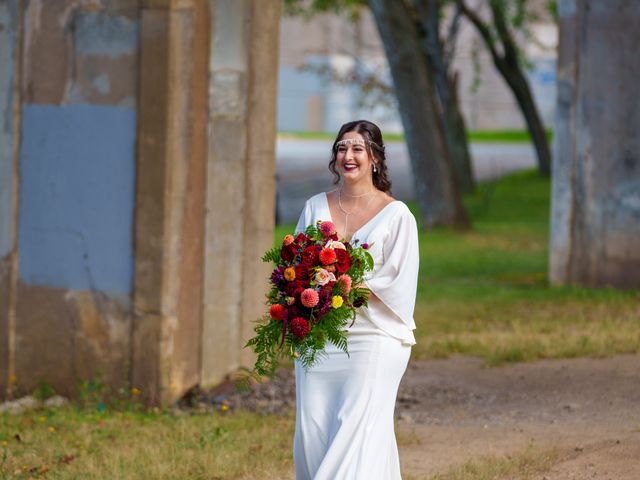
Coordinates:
(352, 158)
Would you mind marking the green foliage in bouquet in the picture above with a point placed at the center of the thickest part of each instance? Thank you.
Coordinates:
(316, 287)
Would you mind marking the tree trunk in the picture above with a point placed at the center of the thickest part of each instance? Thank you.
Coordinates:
(436, 188)
(456, 132)
(520, 88)
(428, 13)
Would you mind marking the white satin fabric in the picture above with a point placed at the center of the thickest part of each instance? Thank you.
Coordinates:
(345, 404)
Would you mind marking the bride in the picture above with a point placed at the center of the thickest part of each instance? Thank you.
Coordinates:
(345, 404)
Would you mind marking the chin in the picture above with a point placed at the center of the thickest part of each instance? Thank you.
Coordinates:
(350, 177)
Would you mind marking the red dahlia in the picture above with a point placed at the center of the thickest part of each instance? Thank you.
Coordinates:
(278, 312)
(299, 327)
(310, 256)
(302, 272)
(344, 261)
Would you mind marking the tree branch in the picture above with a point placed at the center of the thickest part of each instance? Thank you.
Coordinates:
(483, 29)
(449, 44)
(510, 50)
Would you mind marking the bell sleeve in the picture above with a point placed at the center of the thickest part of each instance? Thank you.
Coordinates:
(305, 218)
(395, 282)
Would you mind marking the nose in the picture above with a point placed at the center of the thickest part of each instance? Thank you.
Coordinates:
(349, 154)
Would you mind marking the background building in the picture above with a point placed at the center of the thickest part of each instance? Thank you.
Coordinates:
(308, 101)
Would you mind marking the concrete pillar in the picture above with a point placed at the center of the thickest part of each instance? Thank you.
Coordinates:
(10, 34)
(595, 229)
(172, 129)
(240, 178)
(122, 173)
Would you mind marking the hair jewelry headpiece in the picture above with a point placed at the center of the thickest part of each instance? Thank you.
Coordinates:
(358, 141)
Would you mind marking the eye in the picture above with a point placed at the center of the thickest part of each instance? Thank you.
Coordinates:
(342, 149)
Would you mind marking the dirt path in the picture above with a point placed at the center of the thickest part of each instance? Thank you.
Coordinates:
(453, 411)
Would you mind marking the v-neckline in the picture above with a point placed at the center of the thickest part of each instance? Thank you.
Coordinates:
(326, 202)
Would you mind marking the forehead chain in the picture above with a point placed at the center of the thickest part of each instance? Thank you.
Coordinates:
(358, 141)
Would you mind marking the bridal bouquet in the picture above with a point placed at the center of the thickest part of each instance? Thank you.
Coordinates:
(315, 291)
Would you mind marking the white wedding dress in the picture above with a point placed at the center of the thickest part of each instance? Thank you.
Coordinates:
(345, 404)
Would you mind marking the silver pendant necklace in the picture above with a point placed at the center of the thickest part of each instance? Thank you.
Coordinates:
(347, 214)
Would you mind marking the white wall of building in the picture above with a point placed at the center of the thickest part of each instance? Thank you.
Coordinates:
(310, 102)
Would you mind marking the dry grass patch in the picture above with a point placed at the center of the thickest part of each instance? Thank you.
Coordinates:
(526, 330)
(523, 465)
(71, 444)
(406, 436)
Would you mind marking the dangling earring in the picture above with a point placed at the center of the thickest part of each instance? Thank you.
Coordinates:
(375, 169)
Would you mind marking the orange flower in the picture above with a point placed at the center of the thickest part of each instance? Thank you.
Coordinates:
(327, 256)
(290, 274)
(288, 240)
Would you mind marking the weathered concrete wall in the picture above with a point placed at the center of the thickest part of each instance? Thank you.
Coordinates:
(8, 178)
(595, 236)
(77, 178)
(170, 197)
(240, 178)
(123, 175)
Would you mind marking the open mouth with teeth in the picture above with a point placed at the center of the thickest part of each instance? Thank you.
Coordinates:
(348, 167)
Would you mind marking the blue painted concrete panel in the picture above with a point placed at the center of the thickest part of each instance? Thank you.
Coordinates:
(77, 188)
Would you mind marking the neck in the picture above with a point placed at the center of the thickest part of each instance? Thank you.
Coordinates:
(359, 188)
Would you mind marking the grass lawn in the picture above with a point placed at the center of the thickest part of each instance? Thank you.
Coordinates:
(485, 292)
(482, 136)
(74, 443)
(70, 443)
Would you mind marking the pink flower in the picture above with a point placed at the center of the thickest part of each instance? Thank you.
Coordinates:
(323, 277)
(309, 298)
(334, 244)
(327, 228)
(345, 283)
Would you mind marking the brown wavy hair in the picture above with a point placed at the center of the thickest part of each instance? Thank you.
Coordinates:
(374, 145)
